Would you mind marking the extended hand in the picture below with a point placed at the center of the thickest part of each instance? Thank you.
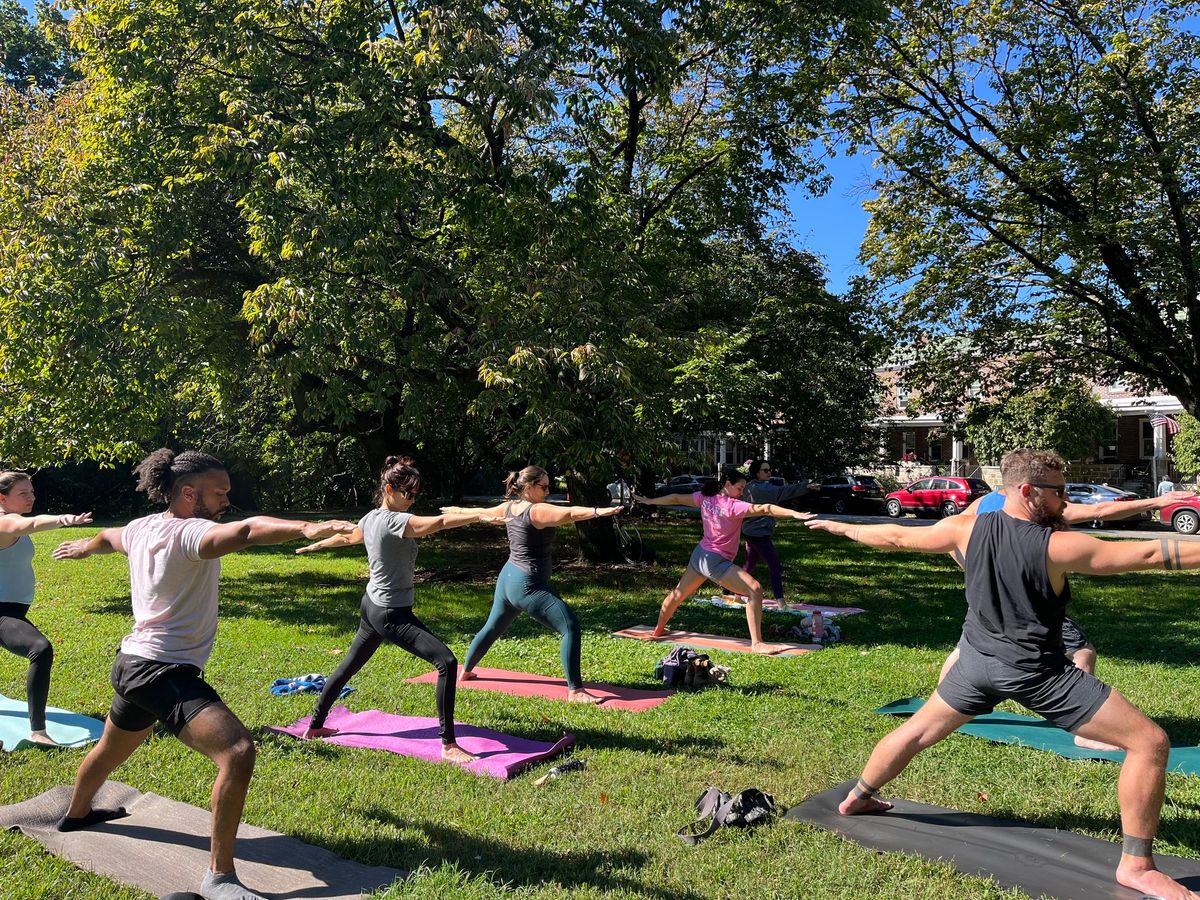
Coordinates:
(826, 525)
(328, 528)
(608, 510)
(638, 498)
(485, 517)
(1176, 496)
(68, 519)
(71, 549)
(803, 516)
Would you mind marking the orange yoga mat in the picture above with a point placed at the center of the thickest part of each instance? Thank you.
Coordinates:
(524, 684)
(713, 641)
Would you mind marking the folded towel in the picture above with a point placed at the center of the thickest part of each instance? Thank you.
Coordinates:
(312, 683)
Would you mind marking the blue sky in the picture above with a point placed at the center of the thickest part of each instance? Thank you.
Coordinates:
(831, 226)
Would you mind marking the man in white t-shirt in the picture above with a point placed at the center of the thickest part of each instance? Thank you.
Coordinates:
(174, 569)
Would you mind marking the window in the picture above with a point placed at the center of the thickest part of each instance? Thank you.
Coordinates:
(909, 440)
(935, 451)
(1147, 439)
(943, 484)
(923, 485)
(901, 395)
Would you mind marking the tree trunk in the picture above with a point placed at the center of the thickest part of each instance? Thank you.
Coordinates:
(597, 537)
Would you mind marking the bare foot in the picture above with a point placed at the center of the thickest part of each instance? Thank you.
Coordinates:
(582, 696)
(311, 733)
(1089, 744)
(852, 806)
(42, 739)
(1152, 882)
(761, 646)
(659, 631)
(466, 675)
(456, 754)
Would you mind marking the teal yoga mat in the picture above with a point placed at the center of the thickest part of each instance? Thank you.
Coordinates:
(68, 728)
(1035, 732)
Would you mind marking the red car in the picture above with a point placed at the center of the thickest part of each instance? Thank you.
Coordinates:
(1184, 516)
(947, 496)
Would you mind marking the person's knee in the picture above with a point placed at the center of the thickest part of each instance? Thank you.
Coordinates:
(445, 662)
(41, 652)
(1150, 740)
(755, 589)
(1085, 658)
(238, 757)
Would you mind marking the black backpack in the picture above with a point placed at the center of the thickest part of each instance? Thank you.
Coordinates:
(718, 809)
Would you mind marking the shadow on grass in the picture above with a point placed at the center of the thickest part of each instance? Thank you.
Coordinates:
(524, 867)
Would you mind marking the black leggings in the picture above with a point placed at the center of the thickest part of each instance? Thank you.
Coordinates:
(20, 636)
(400, 627)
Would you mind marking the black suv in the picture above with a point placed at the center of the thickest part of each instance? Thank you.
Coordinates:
(846, 493)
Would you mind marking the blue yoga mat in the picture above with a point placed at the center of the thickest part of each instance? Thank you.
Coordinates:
(1037, 733)
(68, 728)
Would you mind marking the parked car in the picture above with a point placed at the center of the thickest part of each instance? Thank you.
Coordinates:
(1184, 516)
(841, 493)
(1102, 493)
(682, 484)
(947, 496)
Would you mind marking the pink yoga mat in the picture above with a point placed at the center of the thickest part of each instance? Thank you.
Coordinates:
(500, 755)
(524, 684)
(713, 641)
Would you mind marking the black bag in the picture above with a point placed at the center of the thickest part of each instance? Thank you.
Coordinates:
(718, 809)
(683, 667)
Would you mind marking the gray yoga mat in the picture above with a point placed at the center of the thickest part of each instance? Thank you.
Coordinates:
(1033, 858)
(162, 846)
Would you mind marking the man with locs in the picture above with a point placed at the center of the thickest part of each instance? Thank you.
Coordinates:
(174, 568)
(1017, 562)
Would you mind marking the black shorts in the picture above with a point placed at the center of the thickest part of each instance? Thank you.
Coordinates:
(149, 692)
(1074, 639)
(1061, 693)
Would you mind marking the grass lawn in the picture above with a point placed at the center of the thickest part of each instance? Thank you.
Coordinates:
(791, 726)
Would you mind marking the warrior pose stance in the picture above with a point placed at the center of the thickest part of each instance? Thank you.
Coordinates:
(523, 585)
(721, 513)
(386, 611)
(174, 569)
(17, 634)
(1016, 564)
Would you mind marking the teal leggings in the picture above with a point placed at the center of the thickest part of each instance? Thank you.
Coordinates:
(519, 592)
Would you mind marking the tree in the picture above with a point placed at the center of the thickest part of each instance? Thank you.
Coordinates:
(1066, 417)
(1185, 448)
(1038, 185)
(465, 228)
(33, 55)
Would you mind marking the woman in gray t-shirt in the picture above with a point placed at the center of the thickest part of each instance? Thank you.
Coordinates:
(386, 611)
(17, 634)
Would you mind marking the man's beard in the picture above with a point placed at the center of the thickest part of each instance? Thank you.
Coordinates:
(202, 511)
(1042, 516)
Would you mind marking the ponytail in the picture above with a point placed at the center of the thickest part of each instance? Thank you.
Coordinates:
(401, 475)
(9, 480)
(729, 475)
(516, 482)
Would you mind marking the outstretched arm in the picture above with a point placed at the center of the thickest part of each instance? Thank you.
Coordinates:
(419, 526)
(1072, 551)
(1076, 513)
(666, 500)
(946, 536)
(493, 512)
(543, 515)
(19, 526)
(338, 540)
(110, 540)
(779, 512)
(258, 531)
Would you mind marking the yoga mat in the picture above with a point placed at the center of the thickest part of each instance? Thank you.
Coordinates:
(1037, 733)
(770, 604)
(163, 846)
(500, 755)
(1043, 862)
(68, 728)
(524, 684)
(713, 641)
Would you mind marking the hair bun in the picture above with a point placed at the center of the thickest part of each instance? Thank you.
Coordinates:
(397, 461)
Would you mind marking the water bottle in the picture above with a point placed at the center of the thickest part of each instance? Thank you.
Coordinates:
(818, 626)
(572, 765)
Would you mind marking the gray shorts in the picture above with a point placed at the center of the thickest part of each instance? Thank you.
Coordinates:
(712, 566)
(1062, 694)
(1074, 638)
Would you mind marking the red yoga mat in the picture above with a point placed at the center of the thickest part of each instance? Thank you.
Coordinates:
(713, 641)
(524, 684)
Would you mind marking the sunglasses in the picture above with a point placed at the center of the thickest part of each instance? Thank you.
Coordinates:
(1060, 489)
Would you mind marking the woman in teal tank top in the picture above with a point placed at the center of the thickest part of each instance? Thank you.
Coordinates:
(17, 634)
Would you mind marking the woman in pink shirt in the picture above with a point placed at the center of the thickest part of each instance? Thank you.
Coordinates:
(721, 512)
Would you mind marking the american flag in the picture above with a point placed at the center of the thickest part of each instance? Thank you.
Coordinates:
(1171, 425)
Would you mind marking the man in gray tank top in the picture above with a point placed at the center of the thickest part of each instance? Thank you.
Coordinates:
(1017, 562)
